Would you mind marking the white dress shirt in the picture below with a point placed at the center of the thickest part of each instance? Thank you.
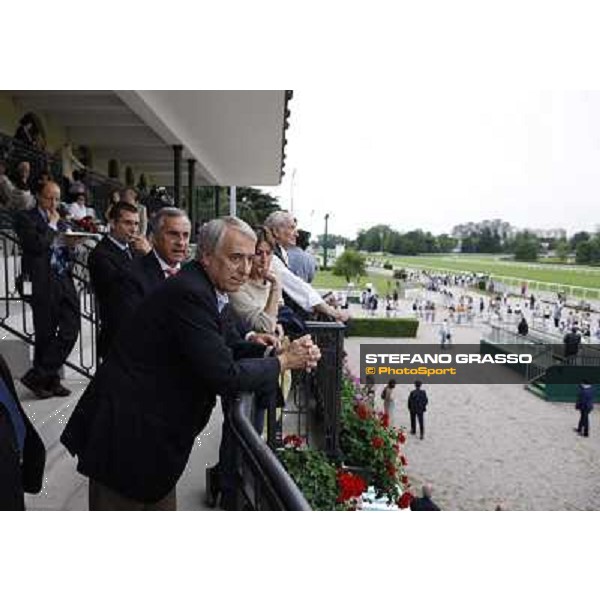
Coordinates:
(299, 291)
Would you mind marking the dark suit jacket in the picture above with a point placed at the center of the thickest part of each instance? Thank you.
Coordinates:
(36, 238)
(14, 477)
(110, 268)
(135, 425)
(145, 276)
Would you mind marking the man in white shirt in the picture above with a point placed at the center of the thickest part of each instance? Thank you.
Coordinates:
(295, 291)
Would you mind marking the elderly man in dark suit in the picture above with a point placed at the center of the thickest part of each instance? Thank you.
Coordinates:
(22, 452)
(135, 426)
(46, 263)
(110, 265)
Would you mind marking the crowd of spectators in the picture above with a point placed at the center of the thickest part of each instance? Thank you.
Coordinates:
(236, 320)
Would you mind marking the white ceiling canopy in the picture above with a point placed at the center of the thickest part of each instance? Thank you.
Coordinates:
(236, 137)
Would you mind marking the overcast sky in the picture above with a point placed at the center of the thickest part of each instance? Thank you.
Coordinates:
(431, 161)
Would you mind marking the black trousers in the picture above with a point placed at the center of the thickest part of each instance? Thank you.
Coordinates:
(56, 325)
(414, 416)
(584, 422)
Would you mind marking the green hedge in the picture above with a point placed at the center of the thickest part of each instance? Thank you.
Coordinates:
(402, 328)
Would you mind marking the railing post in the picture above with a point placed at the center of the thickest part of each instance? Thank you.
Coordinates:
(191, 187)
(177, 152)
(330, 339)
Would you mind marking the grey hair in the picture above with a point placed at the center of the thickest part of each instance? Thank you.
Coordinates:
(426, 491)
(211, 234)
(279, 218)
(158, 220)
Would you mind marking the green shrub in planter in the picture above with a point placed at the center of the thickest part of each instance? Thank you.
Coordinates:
(402, 328)
(314, 474)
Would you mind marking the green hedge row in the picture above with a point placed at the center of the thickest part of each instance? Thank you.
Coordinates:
(402, 328)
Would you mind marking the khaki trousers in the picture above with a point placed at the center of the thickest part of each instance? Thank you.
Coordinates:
(103, 498)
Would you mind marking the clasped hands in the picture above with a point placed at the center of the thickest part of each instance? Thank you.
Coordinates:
(302, 353)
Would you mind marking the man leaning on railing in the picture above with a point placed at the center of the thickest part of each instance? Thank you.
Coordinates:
(135, 425)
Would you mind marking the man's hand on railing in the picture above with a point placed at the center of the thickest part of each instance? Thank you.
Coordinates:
(302, 353)
(341, 316)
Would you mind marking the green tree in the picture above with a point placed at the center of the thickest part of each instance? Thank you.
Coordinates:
(580, 236)
(445, 243)
(350, 265)
(526, 246)
(562, 250)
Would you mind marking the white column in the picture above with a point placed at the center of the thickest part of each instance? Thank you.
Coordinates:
(232, 201)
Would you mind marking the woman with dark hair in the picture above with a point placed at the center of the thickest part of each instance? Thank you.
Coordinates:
(257, 301)
(22, 452)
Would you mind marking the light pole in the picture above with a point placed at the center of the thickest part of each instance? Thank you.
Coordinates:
(292, 191)
(325, 243)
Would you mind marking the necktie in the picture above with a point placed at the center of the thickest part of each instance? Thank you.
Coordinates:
(170, 271)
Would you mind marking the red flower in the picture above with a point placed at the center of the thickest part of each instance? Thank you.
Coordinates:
(403, 460)
(362, 410)
(396, 448)
(293, 441)
(377, 442)
(385, 420)
(349, 486)
(391, 469)
(401, 437)
(405, 500)
(404, 480)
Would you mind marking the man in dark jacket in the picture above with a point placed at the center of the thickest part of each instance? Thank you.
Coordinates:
(417, 405)
(46, 265)
(110, 267)
(135, 425)
(523, 327)
(585, 405)
(424, 503)
(171, 229)
(22, 452)
(571, 342)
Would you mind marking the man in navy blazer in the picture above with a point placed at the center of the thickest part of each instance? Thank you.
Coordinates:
(170, 237)
(110, 265)
(135, 425)
(46, 264)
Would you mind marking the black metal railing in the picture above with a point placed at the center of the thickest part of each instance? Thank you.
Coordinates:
(313, 406)
(16, 316)
(328, 383)
(262, 481)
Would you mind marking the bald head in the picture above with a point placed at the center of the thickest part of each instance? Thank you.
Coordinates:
(49, 196)
(427, 491)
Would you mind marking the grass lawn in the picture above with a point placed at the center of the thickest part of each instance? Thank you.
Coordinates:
(583, 276)
(326, 280)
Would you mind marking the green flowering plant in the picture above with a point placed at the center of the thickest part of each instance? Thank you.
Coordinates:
(324, 485)
(368, 441)
(312, 471)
